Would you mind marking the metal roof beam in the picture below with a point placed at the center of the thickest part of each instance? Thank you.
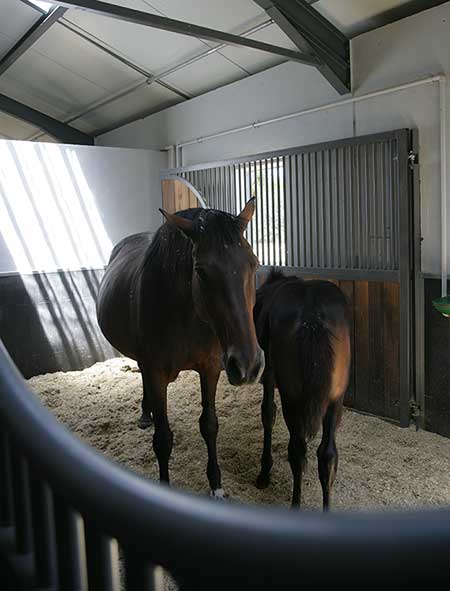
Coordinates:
(62, 132)
(139, 17)
(315, 36)
(42, 25)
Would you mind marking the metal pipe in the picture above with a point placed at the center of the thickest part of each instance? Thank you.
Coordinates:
(444, 196)
(348, 101)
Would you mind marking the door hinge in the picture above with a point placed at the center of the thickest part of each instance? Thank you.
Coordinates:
(415, 412)
(413, 158)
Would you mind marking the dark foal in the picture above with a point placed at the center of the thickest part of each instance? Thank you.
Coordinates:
(184, 301)
(303, 329)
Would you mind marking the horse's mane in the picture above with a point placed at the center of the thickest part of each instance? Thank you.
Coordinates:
(170, 252)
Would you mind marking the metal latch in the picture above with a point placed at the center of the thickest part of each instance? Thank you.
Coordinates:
(413, 158)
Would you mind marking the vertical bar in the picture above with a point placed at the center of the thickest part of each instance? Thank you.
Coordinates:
(233, 189)
(314, 213)
(241, 200)
(404, 189)
(248, 172)
(267, 214)
(256, 216)
(21, 501)
(290, 259)
(6, 496)
(226, 190)
(139, 573)
(43, 533)
(299, 220)
(351, 188)
(70, 551)
(261, 210)
(273, 211)
(279, 197)
(419, 324)
(308, 211)
(102, 560)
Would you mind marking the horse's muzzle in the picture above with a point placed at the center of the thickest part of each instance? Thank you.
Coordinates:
(240, 371)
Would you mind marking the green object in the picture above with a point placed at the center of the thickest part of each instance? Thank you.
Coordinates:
(442, 305)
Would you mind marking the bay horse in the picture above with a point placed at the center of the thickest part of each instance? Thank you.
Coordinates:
(184, 301)
(303, 328)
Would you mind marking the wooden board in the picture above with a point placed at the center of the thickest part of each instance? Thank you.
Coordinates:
(177, 196)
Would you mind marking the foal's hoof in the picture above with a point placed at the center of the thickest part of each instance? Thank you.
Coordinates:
(145, 421)
(218, 494)
(263, 481)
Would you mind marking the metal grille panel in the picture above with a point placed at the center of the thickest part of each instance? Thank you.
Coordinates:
(331, 207)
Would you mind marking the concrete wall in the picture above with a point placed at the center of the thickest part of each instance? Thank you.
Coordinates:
(64, 207)
(414, 48)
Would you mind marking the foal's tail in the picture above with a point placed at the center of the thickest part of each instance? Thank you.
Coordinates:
(315, 367)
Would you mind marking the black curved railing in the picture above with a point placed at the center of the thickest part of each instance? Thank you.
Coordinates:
(65, 509)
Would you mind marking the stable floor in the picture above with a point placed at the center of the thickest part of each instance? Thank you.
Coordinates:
(380, 466)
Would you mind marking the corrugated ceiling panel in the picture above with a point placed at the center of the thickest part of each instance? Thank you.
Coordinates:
(254, 61)
(69, 51)
(215, 14)
(206, 74)
(62, 74)
(151, 49)
(15, 20)
(11, 128)
(346, 16)
(145, 99)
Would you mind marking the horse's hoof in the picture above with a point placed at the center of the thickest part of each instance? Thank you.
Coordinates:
(262, 481)
(145, 421)
(218, 494)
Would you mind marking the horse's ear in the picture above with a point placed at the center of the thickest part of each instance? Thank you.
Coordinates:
(247, 213)
(182, 224)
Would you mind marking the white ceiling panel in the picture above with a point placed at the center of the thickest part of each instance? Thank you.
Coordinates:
(216, 14)
(144, 100)
(48, 87)
(149, 48)
(206, 74)
(348, 16)
(12, 128)
(15, 20)
(255, 61)
(65, 49)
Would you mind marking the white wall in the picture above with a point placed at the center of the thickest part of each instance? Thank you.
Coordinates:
(414, 48)
(64, 207)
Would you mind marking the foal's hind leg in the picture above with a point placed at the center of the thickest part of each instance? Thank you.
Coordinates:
(297, 448)
(209, 427)
(327, 453)
(268, 415)
(146, 419)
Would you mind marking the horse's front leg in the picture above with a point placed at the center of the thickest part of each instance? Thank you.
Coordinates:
(163, 436)
(209, 427)
(146, 418)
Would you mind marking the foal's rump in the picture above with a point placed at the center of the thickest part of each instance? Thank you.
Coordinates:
(306, 331)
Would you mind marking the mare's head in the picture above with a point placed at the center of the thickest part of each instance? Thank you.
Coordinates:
(223, 286)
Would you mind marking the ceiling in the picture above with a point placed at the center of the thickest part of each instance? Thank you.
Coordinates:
(96, 73)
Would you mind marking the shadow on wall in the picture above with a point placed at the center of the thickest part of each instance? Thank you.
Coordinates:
(55, 243)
